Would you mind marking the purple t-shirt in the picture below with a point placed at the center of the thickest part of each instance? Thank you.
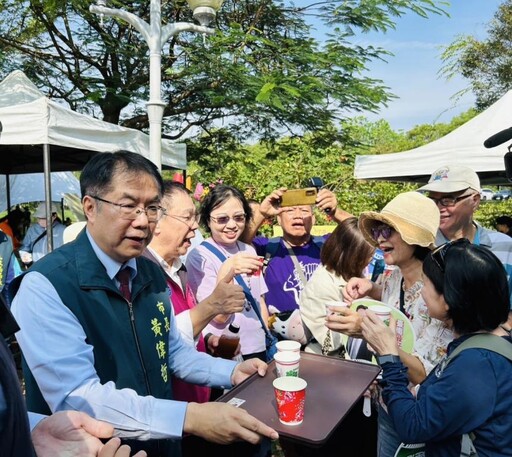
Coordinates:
(283, 282)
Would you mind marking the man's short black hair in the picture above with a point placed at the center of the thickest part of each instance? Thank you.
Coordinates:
(97, 175)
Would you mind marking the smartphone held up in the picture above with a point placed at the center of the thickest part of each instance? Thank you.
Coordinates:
(304, 196)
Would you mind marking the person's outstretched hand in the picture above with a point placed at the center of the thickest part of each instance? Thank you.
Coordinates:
(346, 321)
(223, 424)
(76, 434)
(380, 336)
(114, 449)
(227, 297)
(245, 369)
(326, 201)
(269, 207)
(241, 263)
(356, 288)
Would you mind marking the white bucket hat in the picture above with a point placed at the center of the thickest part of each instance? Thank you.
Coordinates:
(40, 212)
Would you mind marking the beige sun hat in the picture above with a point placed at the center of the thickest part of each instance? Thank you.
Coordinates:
(414, 216)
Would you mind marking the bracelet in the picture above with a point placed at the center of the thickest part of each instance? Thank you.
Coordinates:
(206, 338)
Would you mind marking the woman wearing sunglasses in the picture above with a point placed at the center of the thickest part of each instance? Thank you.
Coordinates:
(405, 231)
(224, 213)
(466, 287)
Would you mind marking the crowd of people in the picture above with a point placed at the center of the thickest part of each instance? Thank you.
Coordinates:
(120, 326)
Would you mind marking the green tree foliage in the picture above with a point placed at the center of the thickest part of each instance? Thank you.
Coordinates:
(329, 154)
(485, 64)
(490, 210)
(263, 74)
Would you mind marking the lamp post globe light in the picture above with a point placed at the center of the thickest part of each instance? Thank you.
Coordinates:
(156, 35)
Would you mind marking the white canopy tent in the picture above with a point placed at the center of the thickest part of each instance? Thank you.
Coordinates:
(29, 187)
(30, 120)
(39, 135)
(462, 146)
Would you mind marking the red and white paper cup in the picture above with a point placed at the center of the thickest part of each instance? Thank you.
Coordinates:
(290, 395)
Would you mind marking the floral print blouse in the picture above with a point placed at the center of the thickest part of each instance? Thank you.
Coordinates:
(432, 336)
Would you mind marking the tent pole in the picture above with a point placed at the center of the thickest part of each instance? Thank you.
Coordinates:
(48, 196)
(8, 192)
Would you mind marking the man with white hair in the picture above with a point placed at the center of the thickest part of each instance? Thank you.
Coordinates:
(456, 191)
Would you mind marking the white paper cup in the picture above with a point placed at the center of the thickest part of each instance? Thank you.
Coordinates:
(287, 363)
(288, 345)
(290, 393)
(383, 312)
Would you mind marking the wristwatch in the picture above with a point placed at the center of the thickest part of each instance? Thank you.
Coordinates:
(387, 358)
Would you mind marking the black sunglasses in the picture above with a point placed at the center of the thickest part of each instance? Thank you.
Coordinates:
(438, 254)
(383, 230)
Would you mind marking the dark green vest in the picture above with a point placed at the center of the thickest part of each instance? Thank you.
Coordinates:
(130, 346)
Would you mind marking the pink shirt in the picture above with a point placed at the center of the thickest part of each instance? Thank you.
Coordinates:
(203, 267)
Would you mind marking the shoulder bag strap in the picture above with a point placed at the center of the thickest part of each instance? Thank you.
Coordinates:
(270, 251)
(296, 263)
(37, 239)
(240, 281)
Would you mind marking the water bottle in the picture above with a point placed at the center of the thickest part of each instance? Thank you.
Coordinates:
(228, 342)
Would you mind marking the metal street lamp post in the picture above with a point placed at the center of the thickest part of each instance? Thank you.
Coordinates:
(156, 36)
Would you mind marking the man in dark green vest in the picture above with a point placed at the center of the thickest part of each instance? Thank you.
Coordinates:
(97, 330)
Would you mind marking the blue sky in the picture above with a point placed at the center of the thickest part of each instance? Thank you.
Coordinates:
(424, 97)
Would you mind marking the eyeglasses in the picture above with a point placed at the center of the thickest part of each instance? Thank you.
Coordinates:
(223, 220)
(187, 220)
(438, 254)
(132, 212)
(449, 201)
(383, 230)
